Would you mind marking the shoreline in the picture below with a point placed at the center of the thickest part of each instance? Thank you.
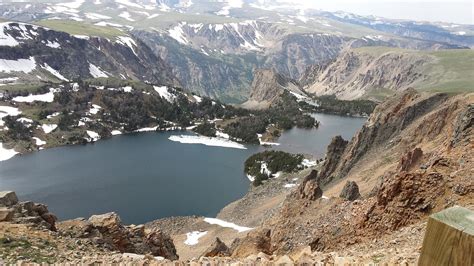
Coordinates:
(92, 141)
(268, 142)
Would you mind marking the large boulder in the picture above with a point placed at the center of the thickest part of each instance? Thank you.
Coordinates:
(6, 214)
(8, 198)
(350, 191)
(131, 239)
(112, 230)
(217, 249)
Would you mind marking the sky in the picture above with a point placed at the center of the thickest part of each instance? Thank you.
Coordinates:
(455, 11)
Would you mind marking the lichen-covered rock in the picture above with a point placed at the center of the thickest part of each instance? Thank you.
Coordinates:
(350, 191)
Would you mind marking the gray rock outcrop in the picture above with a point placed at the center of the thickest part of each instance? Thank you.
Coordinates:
(350, 191)
(11, 210)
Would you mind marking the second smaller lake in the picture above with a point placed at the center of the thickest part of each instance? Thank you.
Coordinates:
(315, 141)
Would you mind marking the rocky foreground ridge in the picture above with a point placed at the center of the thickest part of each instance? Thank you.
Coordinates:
(366, 203)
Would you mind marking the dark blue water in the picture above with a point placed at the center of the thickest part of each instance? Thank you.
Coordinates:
(145, 176)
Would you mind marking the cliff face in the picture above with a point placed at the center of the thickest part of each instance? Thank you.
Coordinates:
(413, 157)
(266, 88)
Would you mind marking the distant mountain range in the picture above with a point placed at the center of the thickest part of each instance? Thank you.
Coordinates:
(209, 47)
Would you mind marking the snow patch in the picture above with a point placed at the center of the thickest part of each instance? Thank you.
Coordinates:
(222, 223)
(84, 37)
(47, 97)
(153, 16)
(95, 16)
(53, 115)
(25, 121)
(177, 33)
(208, 141)
(48, 128)
(308, 163)
(222, 135)
(289, 185)
(5, 153)
(53, 44)
(197, 98)
(192, 238)
(116, 132)
(147, 129)
(127, 41)
(19, 65)
(93, 136)
(95, 109)
(54, 72)
(106, 24)
(96, 72)
(126, 15)
(39, 142)
(6, 111)
(164, 93)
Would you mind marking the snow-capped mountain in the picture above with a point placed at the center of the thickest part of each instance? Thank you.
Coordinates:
(213, 47)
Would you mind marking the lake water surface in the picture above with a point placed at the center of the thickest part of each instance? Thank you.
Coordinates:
(146, 176)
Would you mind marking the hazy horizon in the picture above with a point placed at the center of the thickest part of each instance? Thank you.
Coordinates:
(458, 11)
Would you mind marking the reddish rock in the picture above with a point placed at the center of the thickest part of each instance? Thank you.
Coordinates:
(309, 188)
(256, 241)
(410, 159)
(217, 249)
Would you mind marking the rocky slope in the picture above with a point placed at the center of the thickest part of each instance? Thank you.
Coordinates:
(33, 54)
(378, 72)
(412, 158)
(352, 75)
